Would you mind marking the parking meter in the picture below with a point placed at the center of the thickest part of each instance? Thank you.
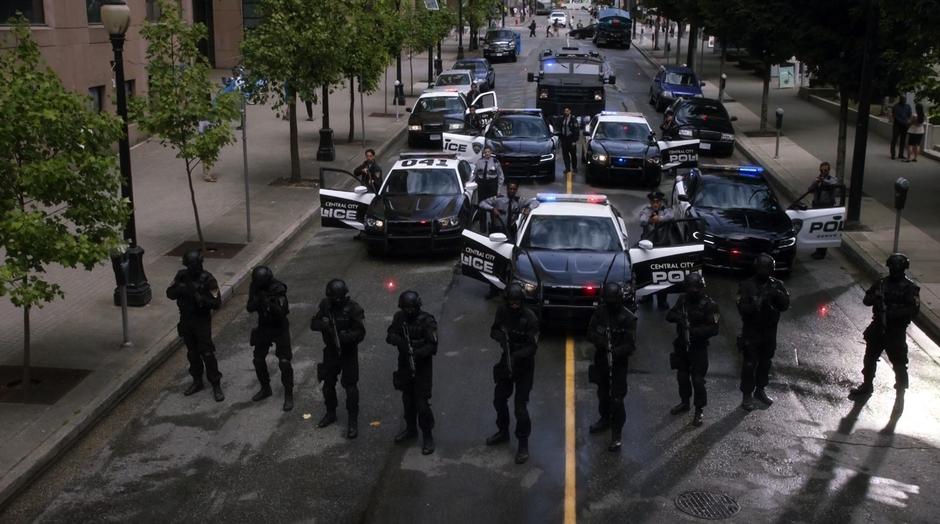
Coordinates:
(779, 113)
(901, 185)
(724, 80)
(399, 98)
(121, 265)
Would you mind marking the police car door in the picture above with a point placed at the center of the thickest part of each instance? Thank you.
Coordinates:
(486, 258)
(485, 103)
(466, 147)
(678, 153)
(818, 227)
(343, 199)
(663, 268)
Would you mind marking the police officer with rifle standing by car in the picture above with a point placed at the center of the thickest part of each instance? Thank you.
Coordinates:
(414, 333)
(697, 317)
(895, 301)
(516, 328)
(612, 330)
(196, 293)
(341, 322)
(268, 297)
(761, 299)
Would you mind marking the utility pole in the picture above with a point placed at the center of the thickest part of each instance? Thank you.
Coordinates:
(864, 109)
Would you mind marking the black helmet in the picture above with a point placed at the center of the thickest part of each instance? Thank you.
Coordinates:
(261, 277)
(694, 283)
(897, 263)
(515, 294)
(336, 290)
(193, 260)
(409, 300)
(764, 265)
(613, 294)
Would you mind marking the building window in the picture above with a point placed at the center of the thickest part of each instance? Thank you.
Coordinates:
(251, 13)
(96, 98)
(31, 9)
(153, 10)
(129, 89)
(94, 11)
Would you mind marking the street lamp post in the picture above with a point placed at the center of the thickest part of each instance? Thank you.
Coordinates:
(116, 17)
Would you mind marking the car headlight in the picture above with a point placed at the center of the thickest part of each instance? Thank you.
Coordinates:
(375, 223)
(667, 94)
(598, 95)
(685, 132)
(529, 288)
(599, 158)
(449, 222)
(727, 137)
(543, 93)
(547, 158)
(414, 128)
(455, 126)
(786, 242)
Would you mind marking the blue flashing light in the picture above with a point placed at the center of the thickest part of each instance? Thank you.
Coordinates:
(750, 170)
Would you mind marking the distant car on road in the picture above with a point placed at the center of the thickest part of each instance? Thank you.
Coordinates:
(583, 32)
(674, 82)
(481, 70)
(502, 43)
(558, 16)
(437, 112)
(453, 80)
(613, 28)
(705, 119)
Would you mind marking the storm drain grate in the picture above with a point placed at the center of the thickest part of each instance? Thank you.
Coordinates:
(706, 505)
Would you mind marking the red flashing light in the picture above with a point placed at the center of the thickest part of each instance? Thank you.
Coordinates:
(735, 252)
(589, 290)
(596, 199)
(823, 310)
(424, 221)
(390, 285)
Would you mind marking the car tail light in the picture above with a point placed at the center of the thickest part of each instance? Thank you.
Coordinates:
(589, 290)
(735, 252)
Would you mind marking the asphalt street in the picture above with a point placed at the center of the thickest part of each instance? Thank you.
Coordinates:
(813, 456)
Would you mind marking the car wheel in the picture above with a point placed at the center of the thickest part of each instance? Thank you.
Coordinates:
(514, 58)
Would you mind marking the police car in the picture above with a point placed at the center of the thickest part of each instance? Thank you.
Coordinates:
(439, 111)
(565, 250)
(621, 147)
(740, 217)
(423, 204)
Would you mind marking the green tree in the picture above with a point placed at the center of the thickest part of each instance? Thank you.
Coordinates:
(296, 50)
(59, 190)
(366, 57)
(179, 102)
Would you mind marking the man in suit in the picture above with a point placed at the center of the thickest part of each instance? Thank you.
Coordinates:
(570, 133)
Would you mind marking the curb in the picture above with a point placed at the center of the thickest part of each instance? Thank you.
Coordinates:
(34, 464)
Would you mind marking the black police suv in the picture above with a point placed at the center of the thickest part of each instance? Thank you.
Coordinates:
(523, 143)
(613, 28)
(705, 119)
(571, 77)
(621, 147)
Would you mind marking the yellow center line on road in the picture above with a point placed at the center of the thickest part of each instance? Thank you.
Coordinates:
(570, 465)
(569, 181)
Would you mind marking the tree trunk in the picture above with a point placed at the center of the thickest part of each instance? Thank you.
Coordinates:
(843, 130)
(430, 65)
(764, 99)
(690, 51)
(721, 69)
(411, 67)
(362, 115)
(27, 379)
(352, 110)
(294, 147)
(192, 197)
(679, 27)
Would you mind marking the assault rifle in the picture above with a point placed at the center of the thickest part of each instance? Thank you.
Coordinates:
(411, 351)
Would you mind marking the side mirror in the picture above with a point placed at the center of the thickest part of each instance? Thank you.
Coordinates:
(733, 119)
(651, 138)
(682, 198)
(431, 85)
(471, 186)
(645, 244)
(361, 190)
(531, 77)
(701, 84)
(611, 79)
(499, 238)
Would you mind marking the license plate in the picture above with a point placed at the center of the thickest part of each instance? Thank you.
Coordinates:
(498, 54)
(705, 146)
(435, 137)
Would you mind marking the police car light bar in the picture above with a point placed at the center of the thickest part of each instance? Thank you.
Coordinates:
(749, 170)
(565, 197)
(427, 154)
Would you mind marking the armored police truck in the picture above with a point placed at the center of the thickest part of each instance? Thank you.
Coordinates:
(571, 77)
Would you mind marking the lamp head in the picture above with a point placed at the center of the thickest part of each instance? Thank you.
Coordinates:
(115, 16)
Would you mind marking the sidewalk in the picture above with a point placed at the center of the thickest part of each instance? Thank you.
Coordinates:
(83, 331)
(810, 136)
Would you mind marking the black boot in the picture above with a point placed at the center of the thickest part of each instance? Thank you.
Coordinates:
(288, 399)
(862, 391)
(747, 402)
(497, 438)
(327, 419)
(681, 407)
(406, 434)
(195, 387)
(603, 424)
(262, 393)
(522, 455)
(761, 395)
(615, 443)
(217, 392)
(352, 426)
(698, 418)
(427, 446)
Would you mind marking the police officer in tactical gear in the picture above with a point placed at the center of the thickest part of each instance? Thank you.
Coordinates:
(414, 333)
(895, 301)
(268, 297)
(761, 299)
(196, 293)
(516, 328)
(696, 316)
(340, 320)
(612, 330)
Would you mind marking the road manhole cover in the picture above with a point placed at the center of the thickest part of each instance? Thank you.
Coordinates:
(706, 505)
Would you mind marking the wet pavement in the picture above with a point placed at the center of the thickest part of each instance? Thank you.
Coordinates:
(814, 456)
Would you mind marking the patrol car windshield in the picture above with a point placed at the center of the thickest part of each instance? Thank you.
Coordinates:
(736, 194)
(679, 79)
(571, 233)
(578, 68)
(519, 127)
(622, 131)
(421, 182)
(453, 79)
(699, 110)
(476, 67)
(448, 104)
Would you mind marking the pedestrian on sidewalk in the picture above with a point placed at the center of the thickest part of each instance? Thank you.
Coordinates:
(556, 25)
(915, 133)
(895, 301)
(823, 190)
(548, 30)
(309, 106)
(901, 120)
(268, 297)
(196, 293)
(532, 27)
